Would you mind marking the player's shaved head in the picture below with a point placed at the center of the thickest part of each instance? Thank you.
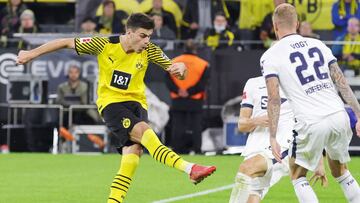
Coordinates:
(285, 16)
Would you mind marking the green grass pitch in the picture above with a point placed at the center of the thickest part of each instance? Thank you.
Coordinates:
(46, 178)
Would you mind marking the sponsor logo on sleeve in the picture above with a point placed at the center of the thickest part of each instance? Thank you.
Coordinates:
(85, 40)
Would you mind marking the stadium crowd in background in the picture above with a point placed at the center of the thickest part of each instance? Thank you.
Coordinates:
(247, 20)
(348, 53)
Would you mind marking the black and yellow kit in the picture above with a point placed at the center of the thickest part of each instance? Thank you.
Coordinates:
(121, 77)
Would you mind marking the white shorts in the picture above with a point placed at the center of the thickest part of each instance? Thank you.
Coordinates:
(273, 174)
(333, 134)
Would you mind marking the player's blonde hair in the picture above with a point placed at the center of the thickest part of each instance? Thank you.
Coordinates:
(285, 16)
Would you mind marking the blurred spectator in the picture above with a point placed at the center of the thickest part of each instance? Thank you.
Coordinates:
(207, 10)
(168, 18)
(252, 13)
(27, 25)
(219, 36)
(220, 6)
(127, 6)
(74, 91)
(190, 23)
(349, 53)
(88, 26)
(10, 19)
(161, 32)
(305, 30)
(111, 21)
(342, 11)
(187, 100)
(267, 34)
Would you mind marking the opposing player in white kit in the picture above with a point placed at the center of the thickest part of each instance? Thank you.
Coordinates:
(257, 172)
(307, 72)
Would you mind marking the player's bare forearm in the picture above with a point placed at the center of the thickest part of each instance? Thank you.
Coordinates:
(249, 124)
(246, 125)
(344, 88)
(273, 107)
(26, 56)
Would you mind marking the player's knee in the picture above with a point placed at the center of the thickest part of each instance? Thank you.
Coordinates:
(139, 129)
(133, 149)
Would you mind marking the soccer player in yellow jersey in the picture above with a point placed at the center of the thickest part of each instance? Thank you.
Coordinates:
(123, 61)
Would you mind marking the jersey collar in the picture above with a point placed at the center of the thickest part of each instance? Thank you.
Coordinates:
(289, 35)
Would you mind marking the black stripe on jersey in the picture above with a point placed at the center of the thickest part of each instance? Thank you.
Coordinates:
(101, 42)
(114, 200)
(155, 55)
(98, 46)
(82, 48)
(293, 154)
(76, 49)
(88, 48)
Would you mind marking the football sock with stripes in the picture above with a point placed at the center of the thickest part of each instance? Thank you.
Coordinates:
(304, 192)
(121, 183)
(162, 153)
(350, 187)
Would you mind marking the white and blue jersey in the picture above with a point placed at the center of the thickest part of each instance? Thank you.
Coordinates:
(255, 97)
(302, 66)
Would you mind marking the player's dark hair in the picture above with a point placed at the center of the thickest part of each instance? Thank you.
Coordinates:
(139, 20)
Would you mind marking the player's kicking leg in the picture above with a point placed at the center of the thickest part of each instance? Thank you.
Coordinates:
(142, 133)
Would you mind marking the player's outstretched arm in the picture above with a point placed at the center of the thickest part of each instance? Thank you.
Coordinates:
(345, 91)
(273, 109)
(26, 56)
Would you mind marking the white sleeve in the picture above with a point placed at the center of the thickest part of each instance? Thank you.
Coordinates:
(268, 67)
(247, 97)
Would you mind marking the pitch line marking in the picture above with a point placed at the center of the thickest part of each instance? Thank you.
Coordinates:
(205, 192)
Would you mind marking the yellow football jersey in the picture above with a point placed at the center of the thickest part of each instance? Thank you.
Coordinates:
(121, 74)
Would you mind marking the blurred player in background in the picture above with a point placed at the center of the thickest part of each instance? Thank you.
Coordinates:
(123, 61)
(308, 73)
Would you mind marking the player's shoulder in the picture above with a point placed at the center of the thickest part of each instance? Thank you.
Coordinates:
(272, 51)
(256, 81)
(94, 39)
